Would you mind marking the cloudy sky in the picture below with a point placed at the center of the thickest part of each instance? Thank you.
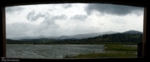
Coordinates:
(70, 19)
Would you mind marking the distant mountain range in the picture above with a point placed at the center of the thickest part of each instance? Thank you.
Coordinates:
(82, 36)
(129, 37)
(133, 32)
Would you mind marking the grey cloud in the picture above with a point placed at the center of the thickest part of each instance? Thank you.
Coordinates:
(48, 21)
(50, 10)
(112, 9)
(17, 30)
(13, 9)
(25, 30)
(51, 20)
(67, 5)
(32, 17)
(79, 17)
(48, 27)
(29, 16)
(82, 29)
(59, 17)
(119, 21)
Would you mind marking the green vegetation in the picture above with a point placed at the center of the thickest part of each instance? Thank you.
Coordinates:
(111, 51)
(118, 47)
(106, 55)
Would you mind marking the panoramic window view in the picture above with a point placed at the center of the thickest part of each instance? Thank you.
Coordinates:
(73, 30)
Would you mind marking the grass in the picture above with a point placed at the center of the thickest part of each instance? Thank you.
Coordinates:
(111, 51)
(106, 55)
(117, 47)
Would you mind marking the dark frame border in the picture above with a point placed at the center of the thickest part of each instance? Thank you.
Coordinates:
(14, 3)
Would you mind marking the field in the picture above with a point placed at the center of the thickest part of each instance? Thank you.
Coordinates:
(112, 51)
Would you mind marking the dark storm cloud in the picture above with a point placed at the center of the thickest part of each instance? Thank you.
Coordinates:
(79, 17)
(112, 9)
(32, 17)
(13, 9)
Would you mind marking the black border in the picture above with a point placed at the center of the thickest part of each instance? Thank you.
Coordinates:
(122, 2)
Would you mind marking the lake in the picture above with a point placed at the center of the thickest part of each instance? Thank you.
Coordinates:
(50, 51)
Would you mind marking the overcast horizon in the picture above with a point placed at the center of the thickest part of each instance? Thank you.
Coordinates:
(71, 19)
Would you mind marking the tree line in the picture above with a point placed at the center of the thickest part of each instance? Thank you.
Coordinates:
(107, 38)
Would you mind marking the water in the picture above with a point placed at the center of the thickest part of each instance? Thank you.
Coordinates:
(49, 51)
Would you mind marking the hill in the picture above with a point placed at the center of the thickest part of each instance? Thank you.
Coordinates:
(128, 36)
(132, 32)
